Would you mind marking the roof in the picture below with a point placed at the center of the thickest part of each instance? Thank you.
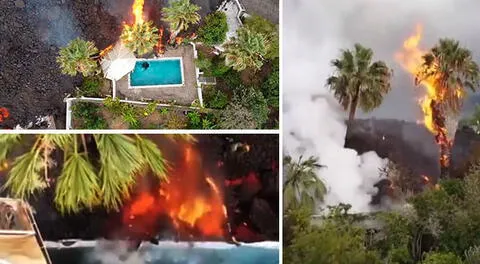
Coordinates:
(20, 241)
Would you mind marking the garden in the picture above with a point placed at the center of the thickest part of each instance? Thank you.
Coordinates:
(245, 67)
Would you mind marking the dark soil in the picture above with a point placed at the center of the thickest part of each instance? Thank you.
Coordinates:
(251, 191)
(31, 34)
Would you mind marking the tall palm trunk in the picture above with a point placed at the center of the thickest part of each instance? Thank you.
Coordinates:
(353, 106)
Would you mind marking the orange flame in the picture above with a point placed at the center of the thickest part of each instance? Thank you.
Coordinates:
(137, 10)
(410, 58)
(191, 199)
(106, 50)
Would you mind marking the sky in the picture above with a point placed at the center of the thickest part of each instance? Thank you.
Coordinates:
(313, 34)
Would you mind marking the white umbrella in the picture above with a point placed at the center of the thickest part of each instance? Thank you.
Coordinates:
(118, 62)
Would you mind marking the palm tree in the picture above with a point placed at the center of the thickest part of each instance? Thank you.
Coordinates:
(180, 15)
(247, 50)
(77, 56)
(302, 186)
(84, 181)
(452, 68)
(140, 38)
(359, 82)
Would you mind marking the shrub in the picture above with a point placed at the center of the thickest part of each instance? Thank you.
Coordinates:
(441, 258)
(214, 30)
(204, 64)
(232, 79)
(90, 87)
(175, 121)
(150, 108)
(113, 105)
(89, 114)
(271, 87)
(253, 100)
(194, 120)
(130, 115)
(215, 98)
(236, 116)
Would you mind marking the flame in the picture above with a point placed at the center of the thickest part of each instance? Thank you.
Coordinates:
(191, 199)
(410, 58)
(4, 114)
(106, 50)
(137, 10)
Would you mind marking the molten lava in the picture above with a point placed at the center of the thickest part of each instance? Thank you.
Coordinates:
(432, 104)
(137, 10)
(191, 199)
(4, 114)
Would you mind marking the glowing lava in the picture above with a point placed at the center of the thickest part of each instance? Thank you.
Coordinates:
(191, 199)
(137, 10)
(432, 104)
(4, 114)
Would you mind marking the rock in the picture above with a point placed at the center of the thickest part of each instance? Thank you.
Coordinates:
(19, 4)
(264, 218)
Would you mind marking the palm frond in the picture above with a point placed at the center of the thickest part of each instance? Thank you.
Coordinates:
(24, 177)
(120, 159)
(152, 156)
(59, 140)
(183, 137)
(77, 186)
(7, 142)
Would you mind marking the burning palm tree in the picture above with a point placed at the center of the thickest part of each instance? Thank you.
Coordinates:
(446, 71)
(78, 57)
(451, 70)
(82, 183)
(140, 38)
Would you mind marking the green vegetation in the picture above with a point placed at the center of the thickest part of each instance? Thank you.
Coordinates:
(214, 29)
(180, 14)
(140, 38)
(76, 57)
(301, 183)
(236, 116)
(89, 116)
(84, 182)
(247, 50)
(246, 74)
(260, 25)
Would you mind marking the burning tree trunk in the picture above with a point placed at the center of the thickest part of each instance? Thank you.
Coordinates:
(442, 136)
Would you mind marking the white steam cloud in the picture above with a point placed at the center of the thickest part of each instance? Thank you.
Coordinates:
(313, 121)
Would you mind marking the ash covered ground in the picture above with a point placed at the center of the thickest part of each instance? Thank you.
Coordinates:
(252, 202)
(32, 31)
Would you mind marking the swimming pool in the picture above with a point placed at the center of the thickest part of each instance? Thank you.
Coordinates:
(156, 73)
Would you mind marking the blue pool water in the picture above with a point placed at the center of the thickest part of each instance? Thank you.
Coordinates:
(202, 253)
(158, 72)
